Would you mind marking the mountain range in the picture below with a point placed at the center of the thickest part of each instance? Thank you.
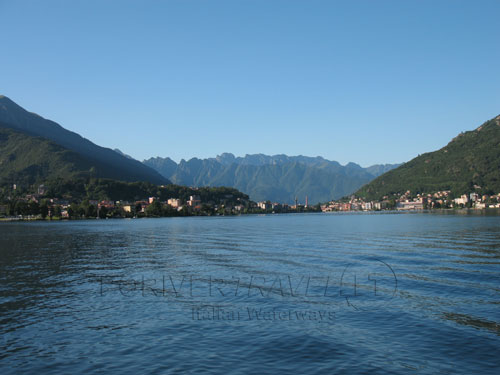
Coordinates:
(279, 178)
(469, 162)
(34, 149)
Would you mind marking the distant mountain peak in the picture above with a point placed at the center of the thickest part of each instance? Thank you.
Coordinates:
(278, 177)
(225, 158)
(353, 165)
(226, 155)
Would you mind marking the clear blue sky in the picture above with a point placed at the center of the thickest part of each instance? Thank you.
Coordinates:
(362, 81)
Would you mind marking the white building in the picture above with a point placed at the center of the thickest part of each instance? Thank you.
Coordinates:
(174, 202)
(410, 205)
(263, 205)
(462, 200)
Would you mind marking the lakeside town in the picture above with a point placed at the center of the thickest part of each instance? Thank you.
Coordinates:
(40, 206)
(408, 201)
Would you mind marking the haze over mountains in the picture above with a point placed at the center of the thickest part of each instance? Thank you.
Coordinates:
(470, 162)
(279, 178)
(34, 149)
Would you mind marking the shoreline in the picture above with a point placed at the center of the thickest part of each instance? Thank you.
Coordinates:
(426, 211)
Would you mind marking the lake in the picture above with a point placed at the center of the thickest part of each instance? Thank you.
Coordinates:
(351, 293)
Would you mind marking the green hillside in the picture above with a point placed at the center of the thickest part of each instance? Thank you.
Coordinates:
(27, 159)
(109, 161)
(470, 162)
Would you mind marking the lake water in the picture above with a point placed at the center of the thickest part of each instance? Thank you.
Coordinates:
(384, 293)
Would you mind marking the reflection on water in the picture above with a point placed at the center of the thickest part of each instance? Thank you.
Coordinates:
(317, 293)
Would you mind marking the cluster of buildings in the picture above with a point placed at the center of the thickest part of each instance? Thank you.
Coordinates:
(38, 204)
(65, 208)
(475, 200)
(191, 205)
(408, 201)
(194, 203)
(355, 204)
(268, 206)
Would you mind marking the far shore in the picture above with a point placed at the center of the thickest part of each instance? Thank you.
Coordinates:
(9, 219)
